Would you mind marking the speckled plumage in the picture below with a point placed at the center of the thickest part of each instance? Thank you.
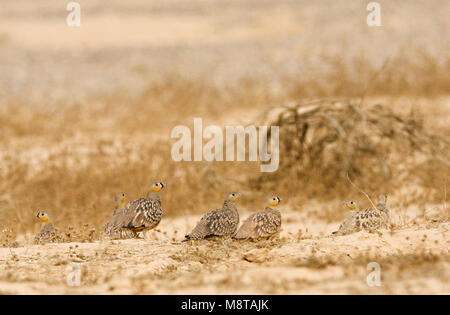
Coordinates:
(47, 234)
(142, 214)
(220, 222)
(139, 215)
(261, 224)
(113, 227)
(369, 219)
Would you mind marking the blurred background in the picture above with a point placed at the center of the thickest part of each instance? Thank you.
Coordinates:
(86, 112)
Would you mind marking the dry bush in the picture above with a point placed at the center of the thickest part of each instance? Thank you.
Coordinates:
(323, 141)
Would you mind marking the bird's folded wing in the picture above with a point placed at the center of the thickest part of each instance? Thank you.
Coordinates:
(218, 219)
(266, 223)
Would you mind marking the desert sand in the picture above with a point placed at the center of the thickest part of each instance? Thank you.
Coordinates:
(304, 260)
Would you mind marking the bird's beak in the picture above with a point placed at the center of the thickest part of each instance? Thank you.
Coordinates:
(37, 215)
(163, 185)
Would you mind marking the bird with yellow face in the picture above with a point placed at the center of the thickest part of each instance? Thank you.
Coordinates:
(47, 233)
(221, 222)
(352, 205)
(113, 226)
(262, 224)
(138, 216)
(370, 219)
(120, 203)
(143, 214)
(273, 201)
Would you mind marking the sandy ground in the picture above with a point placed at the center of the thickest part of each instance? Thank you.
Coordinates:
(304, 259)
